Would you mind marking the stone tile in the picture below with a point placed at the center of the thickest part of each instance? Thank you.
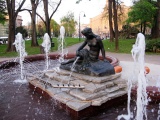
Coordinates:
(122, 86)
(91, 78)
(38, 84)
(117, 94)
(79, 82)
(60, 78)
(53, 91)
(108, 84)
(93, 87)
(63, 97)
(100, 101)
(86, 96)
(119, 81)
(112, 89)
(96, 79)
(78, 105)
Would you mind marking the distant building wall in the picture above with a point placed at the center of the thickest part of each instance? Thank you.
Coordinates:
(4, 28)
(100, 23)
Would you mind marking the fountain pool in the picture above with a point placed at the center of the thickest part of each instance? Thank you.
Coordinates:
(20, 102)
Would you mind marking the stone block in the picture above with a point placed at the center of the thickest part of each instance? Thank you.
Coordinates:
(53, 91)
(117, 94)
(78, 105)
(100, 101)
(63, 97)
(86, 96)
(95, 79)
(108, 84)
(93, 87)
(112, 89)
(79, 82)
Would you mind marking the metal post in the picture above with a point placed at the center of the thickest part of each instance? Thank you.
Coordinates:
(79, 28)
(80, 24)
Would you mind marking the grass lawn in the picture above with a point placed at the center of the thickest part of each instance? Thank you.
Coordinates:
(125, 46)
(36, 50)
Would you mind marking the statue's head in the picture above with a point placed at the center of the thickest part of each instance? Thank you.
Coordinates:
(87, 32)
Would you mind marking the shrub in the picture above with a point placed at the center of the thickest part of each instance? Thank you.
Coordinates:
(152, 45)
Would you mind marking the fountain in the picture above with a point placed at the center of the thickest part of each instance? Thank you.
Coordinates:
(86, 95)
(138, 52)
(91, 82)
(46, 44)
(20, 48)
(61, 44)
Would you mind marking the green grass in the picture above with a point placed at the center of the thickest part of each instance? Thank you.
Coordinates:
(36, 50)
(125, 46)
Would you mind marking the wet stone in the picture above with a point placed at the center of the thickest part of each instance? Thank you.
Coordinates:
(78, 105)
(112, 89)
(92, 87)
(117, 94)
(63, 97)
(86, 96)
(100, 101)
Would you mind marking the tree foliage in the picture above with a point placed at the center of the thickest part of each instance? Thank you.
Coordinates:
(2, 11)
(54, 26)
(22, 30)
(142, 14)
(69, 23)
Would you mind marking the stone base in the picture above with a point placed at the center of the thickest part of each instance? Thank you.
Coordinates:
(83, 92)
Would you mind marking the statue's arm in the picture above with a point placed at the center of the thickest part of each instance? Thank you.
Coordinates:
(82, 46)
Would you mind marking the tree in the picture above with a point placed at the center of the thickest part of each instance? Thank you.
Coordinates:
(142, 14)
(115, 25)
(110, 2)
(12, 18)
(22, 30)
(34, 4)
(69, 23)
(2, 11)
(55, 27)
(46, 11)
(156, 26)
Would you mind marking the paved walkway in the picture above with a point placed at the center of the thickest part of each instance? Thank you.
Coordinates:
(152, 59)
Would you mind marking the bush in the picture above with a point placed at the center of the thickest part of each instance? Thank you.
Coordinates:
(152, 45)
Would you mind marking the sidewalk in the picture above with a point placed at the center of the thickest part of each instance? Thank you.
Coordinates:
(152, 59)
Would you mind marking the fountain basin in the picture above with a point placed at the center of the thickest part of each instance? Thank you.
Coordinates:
(8, 63)
(89, 110)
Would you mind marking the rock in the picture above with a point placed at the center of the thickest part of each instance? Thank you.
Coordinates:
(78, 105)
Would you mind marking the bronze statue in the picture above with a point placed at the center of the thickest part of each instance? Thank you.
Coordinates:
(88, 62)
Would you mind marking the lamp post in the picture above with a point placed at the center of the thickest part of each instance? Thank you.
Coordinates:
(80, 25)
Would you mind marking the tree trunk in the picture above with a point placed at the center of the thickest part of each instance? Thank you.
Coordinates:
(141, 27)
(11, 36)
(156, 28)
(33, 24)
(110, 20)
(115, 26)
(12, 21)
(144, 28)
(45, 3)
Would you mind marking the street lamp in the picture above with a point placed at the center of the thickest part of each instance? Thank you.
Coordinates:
(80, 25)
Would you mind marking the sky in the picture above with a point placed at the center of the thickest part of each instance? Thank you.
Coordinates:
(89, 8)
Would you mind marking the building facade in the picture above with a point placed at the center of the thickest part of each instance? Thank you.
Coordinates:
(100, 23)
(4, 28)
